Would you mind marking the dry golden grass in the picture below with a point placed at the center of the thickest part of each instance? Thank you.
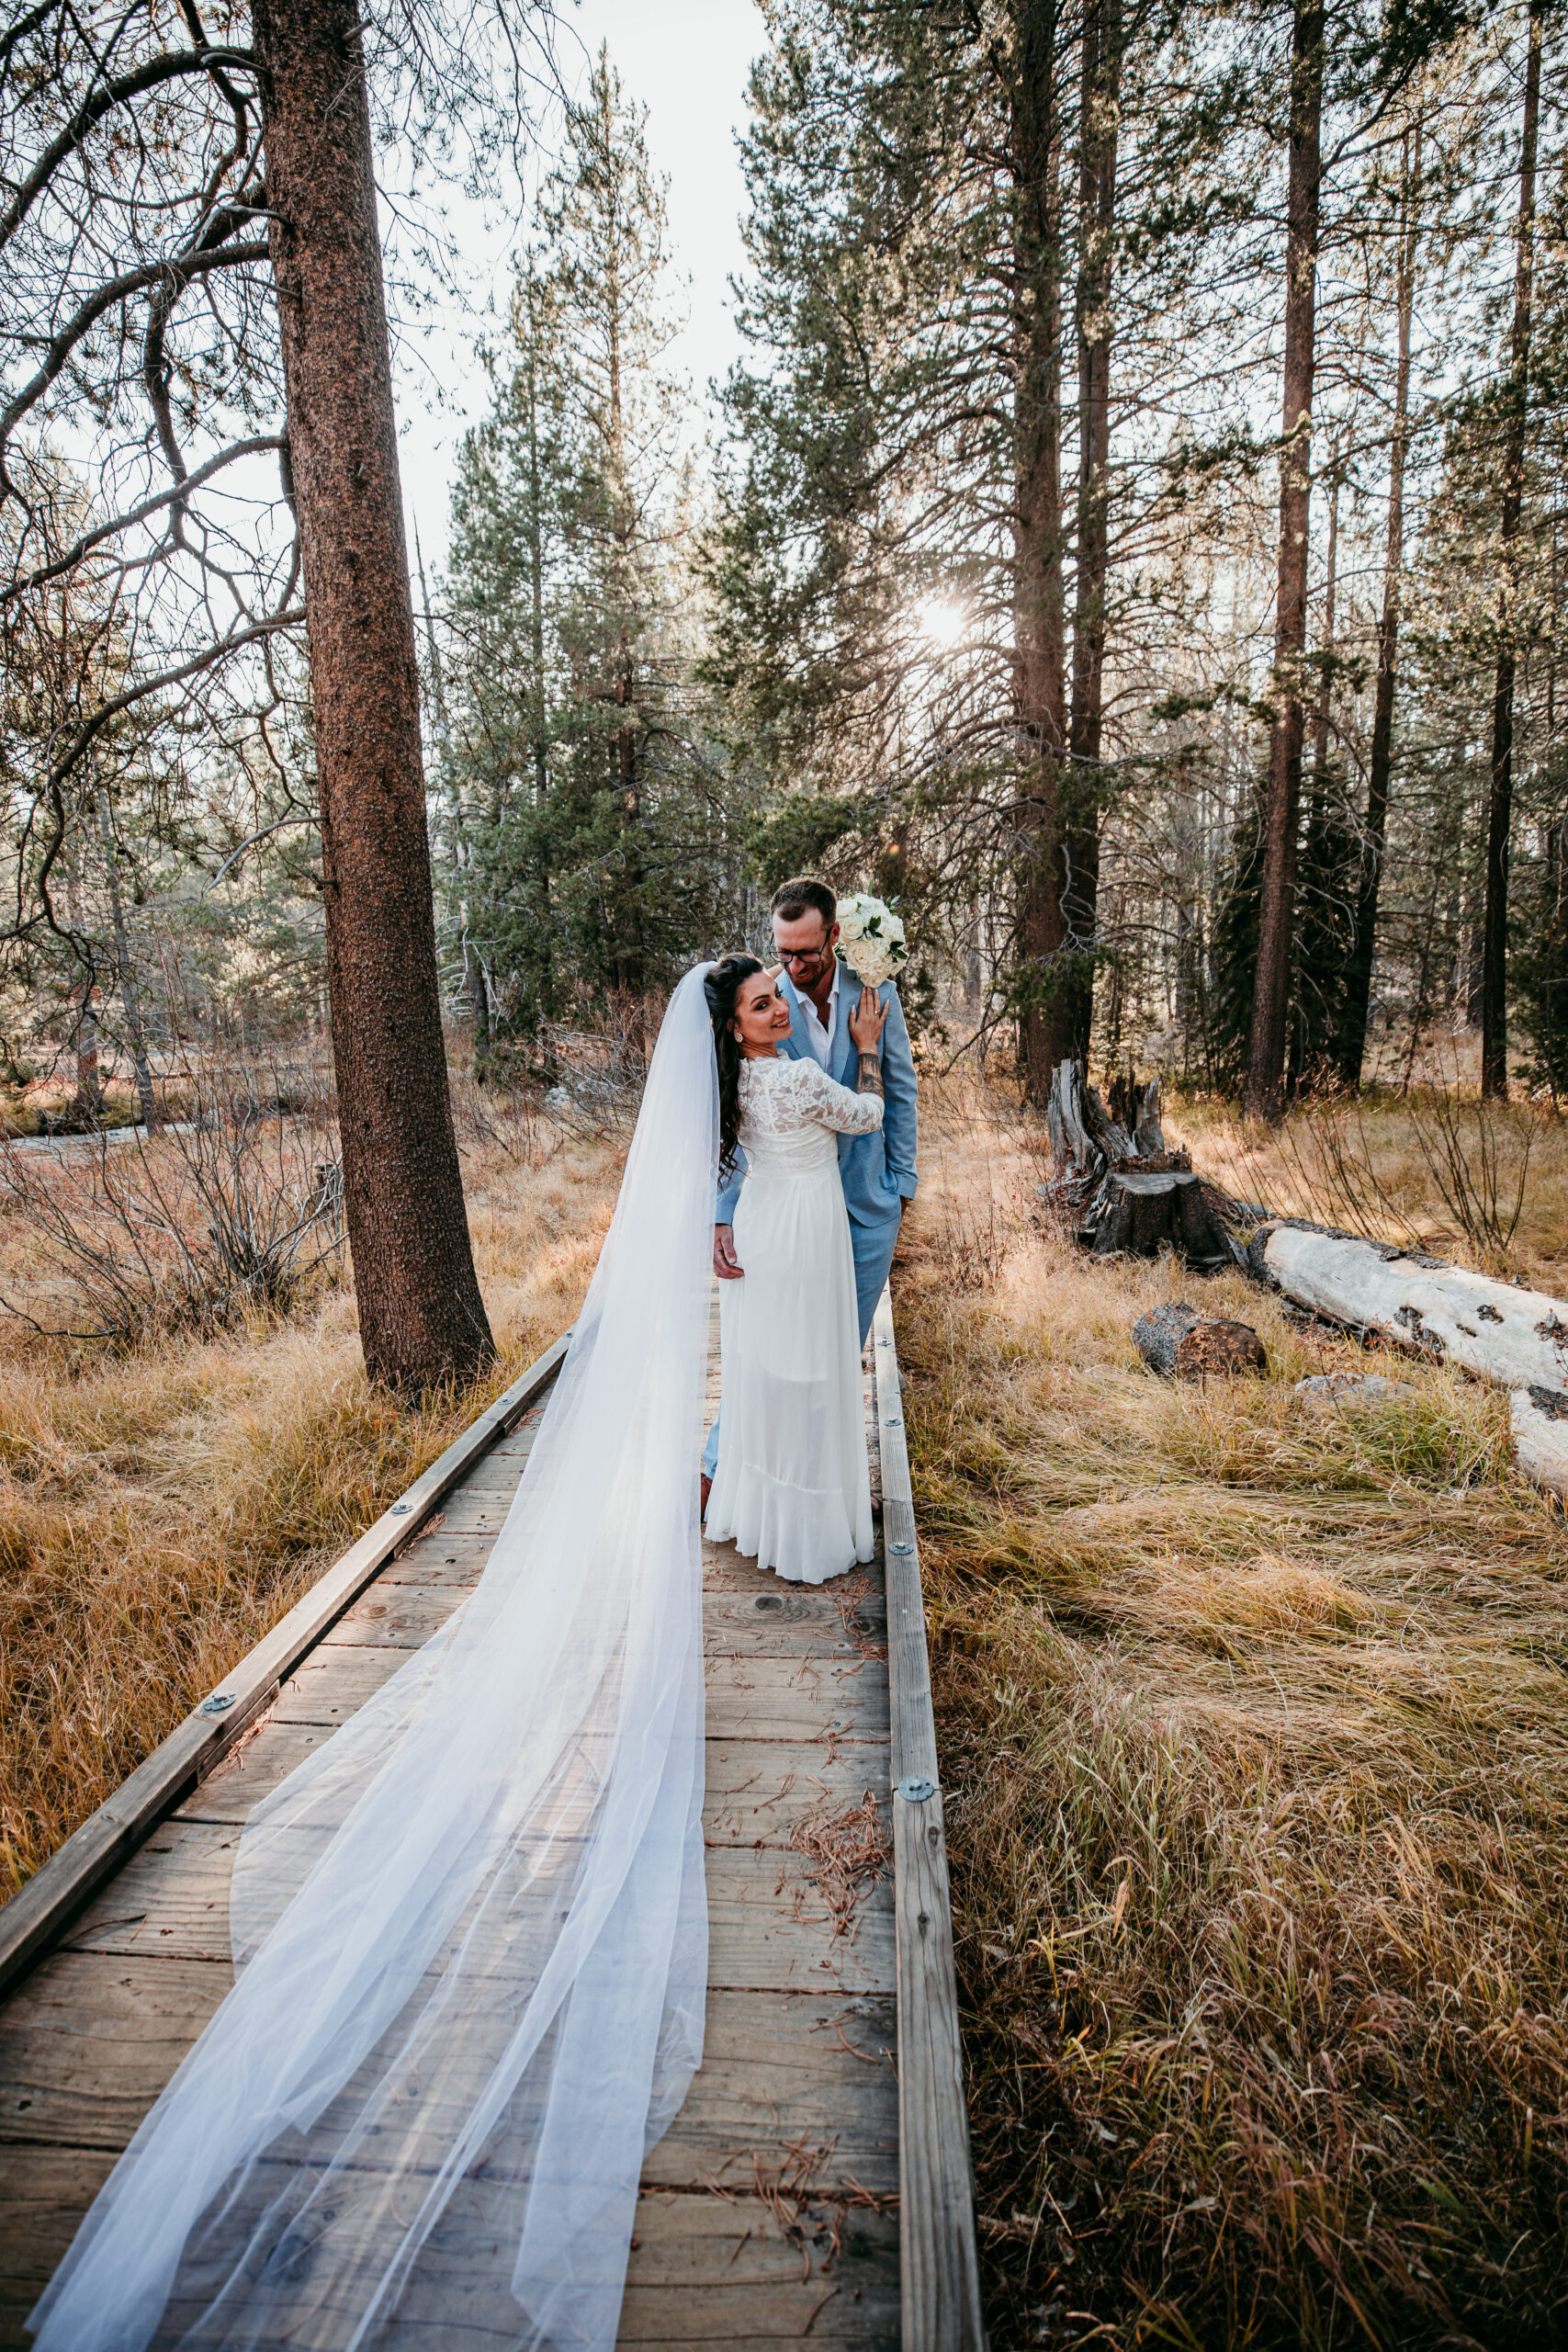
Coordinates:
(1254, 1725)
(1293, 1170)
(159, 1512)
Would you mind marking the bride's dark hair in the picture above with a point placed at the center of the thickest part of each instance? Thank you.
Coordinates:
(721, 987)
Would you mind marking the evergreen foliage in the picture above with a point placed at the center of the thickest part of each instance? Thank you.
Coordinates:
(592, 838)
(975, 605)
(910, 607)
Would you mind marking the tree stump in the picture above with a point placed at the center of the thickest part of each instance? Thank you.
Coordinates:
(1135, 1209)
(1176, 1340)
(1117, 1187)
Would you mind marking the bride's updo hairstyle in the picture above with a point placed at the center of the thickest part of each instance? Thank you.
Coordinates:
(721, 987)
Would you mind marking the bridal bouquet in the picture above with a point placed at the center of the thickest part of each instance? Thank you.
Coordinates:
(871, 938)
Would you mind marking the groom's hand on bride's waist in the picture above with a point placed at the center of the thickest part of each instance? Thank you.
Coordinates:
(726, 1264)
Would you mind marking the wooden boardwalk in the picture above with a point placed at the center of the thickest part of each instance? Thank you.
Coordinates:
(771, 2209)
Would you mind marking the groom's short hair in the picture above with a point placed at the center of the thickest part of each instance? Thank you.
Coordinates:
(791, 899)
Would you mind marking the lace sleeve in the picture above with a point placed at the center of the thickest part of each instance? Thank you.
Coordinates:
(828, 1105)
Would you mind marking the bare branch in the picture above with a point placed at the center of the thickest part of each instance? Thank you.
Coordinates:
(93, 110)
(206, 659)
(182, 489)
(133, 281)
(23, 28)
(308, 817)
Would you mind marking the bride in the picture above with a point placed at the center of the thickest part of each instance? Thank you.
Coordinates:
(471, 1931)
(791, 1489)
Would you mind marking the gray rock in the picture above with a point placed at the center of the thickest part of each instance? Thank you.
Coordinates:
(1352, 1388)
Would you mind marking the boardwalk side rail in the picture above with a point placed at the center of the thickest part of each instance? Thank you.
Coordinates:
(41, 1909)
(941, 2280)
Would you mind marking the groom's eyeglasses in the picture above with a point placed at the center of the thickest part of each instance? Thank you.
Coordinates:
(789, 957)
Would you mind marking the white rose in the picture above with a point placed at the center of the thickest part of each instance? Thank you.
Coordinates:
(871, 938)
(870, 962)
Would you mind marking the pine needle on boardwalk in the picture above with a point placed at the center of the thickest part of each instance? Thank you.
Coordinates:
(1254, 1728)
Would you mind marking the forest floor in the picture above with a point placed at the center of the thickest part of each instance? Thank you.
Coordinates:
(161, 1509)
(1251, 1712)
(1253, 1726)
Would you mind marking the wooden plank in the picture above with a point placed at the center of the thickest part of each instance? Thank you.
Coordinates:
(789, 1698)
(758, 1791)
(468, 1514)
(494, 1481)
(939, 2265)
(726, 1570)
(43, 2194)
(252, 1771)
(90, 2040)
(788, 1625)
(35, 1916)
(766, 1919)
(811, 2072)
(333, 1684)
(710, 2271)
(795, 1623)
(172, 1895)
(702, 2270)
(444, 1559)
(400, 1617)
(714, 2269)
(768, 1928)
(797, 1699)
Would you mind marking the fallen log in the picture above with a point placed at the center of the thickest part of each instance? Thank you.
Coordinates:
(1519, 1337)
(1352, 1388)
(1496, 1330)
(1537, 1420)
(1124, 1191)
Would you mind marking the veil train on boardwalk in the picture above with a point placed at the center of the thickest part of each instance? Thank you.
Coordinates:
(471, 1929)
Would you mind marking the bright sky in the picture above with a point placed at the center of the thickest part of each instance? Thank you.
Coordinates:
(687, 62)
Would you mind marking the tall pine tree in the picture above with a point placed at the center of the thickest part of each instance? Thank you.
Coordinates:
(590, 806)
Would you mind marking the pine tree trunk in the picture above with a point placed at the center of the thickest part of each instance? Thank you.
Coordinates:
(1261, 1094)
(1315, 981)
(1100, 88)
(536, 541)
(87, 1104)
(1499, 811)
(130, 995)
(1038, 610)
(1363, 948)
(421, 1317)
(539, 885)
(478, 997)
(1324, 709)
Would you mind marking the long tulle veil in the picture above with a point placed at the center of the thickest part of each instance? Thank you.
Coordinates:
(472, 1927)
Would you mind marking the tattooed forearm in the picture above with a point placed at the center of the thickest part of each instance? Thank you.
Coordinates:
(869, 1082)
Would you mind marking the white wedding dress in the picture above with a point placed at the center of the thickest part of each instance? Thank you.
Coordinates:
(792, 1487)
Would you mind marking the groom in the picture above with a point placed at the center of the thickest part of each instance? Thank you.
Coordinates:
(878, 1170)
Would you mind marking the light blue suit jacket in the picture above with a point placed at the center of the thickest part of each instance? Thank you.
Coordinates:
(878, 1170)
